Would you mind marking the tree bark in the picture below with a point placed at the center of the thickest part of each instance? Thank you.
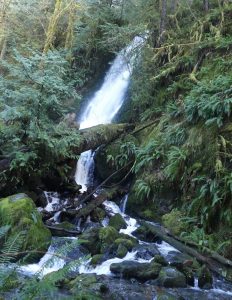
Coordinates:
(206, 5)
(163, 20)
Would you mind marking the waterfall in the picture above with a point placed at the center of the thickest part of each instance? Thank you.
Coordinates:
(105, 104)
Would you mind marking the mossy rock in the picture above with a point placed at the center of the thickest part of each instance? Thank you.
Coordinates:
(19, 211)
(159, 259)
(205, 278)
(117, 222)
(170, 277)
(98, 214)
(107, 236)
(173, 222)
(134, 269)
(121, 251)
(96, 259)
(90, 240)
(129, 244)
(86, 287)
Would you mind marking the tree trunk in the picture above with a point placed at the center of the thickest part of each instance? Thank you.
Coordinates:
(90, 138)
(206, 5)
(173, 6)
(163, 20)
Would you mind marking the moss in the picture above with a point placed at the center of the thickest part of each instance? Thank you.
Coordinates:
(117, 222)
(121, 251)
(86, 287)
(173, 222)
(98, 214)
(107, 236)
(96, 259)
(160, 260)
(20, 212)
(128, 244)
(66, 225)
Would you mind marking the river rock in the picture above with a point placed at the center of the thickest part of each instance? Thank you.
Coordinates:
(107, 236)
(117, 222)
(205, 278)
(178, 259)
(90, 240)
(143, 233)
(19, 211)
(146, 251)
(134, 269)
(87, 286)
(159, 259)
(171, 278)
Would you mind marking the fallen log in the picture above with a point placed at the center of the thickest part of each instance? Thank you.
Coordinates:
(56, 231)
(90, 138)
(214, 265)
(86, 210)
(93, 137)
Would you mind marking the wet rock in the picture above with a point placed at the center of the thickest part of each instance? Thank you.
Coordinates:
(117, 222)
(159, 259)
(121, 251)
(133, 269)
(107, 236)
(179, 260)
(146, 252)
(171, 278)
(19, 211)
(90, 240)
(143, 233)
(189, 274)
(98, 214)
(87, 286)
(205, 278)
(97, 259)
(126, 242)
(162, 295)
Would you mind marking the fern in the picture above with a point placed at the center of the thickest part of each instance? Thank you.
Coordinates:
(143, 189)
(11, 247)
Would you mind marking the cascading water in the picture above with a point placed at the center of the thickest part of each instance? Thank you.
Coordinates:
(105, 104)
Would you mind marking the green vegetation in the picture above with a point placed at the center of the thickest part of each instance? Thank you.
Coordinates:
(178, 159)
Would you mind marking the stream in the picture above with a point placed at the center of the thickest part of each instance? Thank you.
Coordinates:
(102, 109)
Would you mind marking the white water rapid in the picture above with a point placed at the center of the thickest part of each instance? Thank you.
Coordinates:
(106, 102)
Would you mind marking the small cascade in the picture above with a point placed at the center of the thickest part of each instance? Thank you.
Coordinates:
(124, 203)
(105, 104)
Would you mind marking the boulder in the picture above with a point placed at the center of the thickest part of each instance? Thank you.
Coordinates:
(134, 269)
(205, 278)
(87, 286)
(126, 242)
(20, 213)
(107, 236)
(171, 278)
(90, 240)
(117, 222)
(97, 259)
(121, 251)
(146, 251)
(159, 259)
(143, 233)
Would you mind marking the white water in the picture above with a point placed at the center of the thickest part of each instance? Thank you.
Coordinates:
(105, 104)
(124, 203)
